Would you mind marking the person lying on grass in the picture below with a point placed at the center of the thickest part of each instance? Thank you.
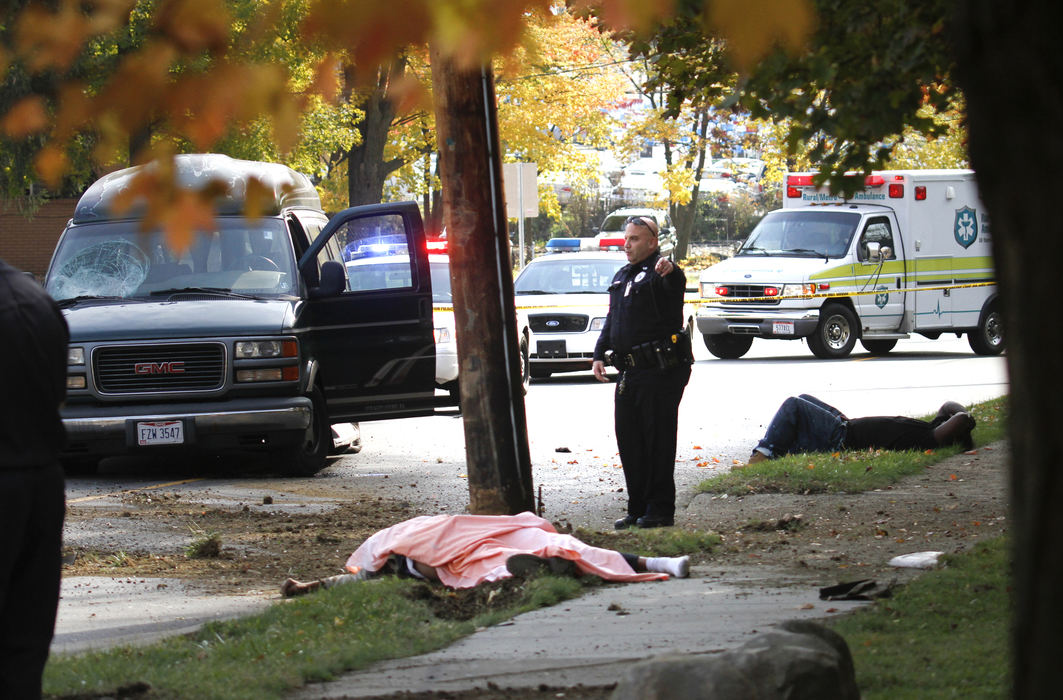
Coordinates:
(461, 551)
(806, 424)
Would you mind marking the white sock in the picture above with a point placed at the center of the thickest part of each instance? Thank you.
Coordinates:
(679, 567)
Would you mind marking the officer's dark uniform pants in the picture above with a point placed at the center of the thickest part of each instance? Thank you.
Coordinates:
(31, 519)
(647, 417)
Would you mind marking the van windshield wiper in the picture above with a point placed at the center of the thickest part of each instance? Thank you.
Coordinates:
(534, 291)
(72, 301)
(201, 290)
(751, 248)
(802, 250)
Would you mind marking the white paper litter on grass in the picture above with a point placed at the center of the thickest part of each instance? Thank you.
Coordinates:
(917, 560)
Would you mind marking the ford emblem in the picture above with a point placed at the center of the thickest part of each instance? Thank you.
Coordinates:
(553, 324)
(748, 276)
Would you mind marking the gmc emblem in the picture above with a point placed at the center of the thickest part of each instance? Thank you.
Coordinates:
(159, 367)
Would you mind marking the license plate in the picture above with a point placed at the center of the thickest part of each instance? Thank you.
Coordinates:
(160, 432)
(782, 327)
(551, 348)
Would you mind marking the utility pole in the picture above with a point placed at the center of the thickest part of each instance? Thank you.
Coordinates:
(474, 212)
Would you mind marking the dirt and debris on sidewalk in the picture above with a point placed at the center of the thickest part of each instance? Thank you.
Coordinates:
(788, 541)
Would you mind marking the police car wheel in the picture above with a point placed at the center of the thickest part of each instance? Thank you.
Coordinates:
(835, 336)
(878, 347)
(726, 346)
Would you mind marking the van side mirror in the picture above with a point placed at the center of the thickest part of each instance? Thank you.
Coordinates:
(333, 280)
(886, 252)
(874, 251)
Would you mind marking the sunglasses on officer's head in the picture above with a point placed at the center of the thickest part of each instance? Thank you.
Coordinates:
(643, 221)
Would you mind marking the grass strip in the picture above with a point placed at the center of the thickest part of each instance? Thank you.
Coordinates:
(852, 471)
(307, 639)
(944, 635)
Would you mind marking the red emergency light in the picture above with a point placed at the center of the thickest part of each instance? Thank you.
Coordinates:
(874, 181)
(616, 243)
(920, 192)
(896, 190)
(436, 246)
(771, 291)
(794, 183)
(723, 291)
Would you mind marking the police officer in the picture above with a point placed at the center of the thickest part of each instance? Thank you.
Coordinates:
(33, 359)
(643, 329)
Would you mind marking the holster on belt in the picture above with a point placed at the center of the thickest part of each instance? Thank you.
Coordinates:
(667, 352)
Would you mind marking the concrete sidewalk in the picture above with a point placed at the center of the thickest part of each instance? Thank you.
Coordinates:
(593, 639)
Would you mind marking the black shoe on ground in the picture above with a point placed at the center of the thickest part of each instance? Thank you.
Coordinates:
(625, 522)
(647, 521)
(531, 565)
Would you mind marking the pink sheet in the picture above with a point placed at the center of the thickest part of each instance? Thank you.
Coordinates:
(469, 549)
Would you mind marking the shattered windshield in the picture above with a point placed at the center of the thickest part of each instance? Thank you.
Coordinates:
(116, 260)
(822, 234)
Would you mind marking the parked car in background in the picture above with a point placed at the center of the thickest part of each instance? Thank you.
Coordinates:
(246, 335)
(565, 300)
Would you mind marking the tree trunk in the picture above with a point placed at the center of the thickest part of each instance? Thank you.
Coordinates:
(492, 400)
(683, 215)
(1010, 69)
(366, 168)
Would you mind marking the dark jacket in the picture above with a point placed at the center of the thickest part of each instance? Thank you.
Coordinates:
(33, 353)
(643, 306)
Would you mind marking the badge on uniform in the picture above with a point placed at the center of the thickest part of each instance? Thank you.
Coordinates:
(640, 276)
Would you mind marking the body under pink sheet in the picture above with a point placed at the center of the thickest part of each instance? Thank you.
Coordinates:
(469, 549)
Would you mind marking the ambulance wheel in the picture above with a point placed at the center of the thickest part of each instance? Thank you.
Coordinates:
(835, 336)
(726, 346)
(988, 338)
(878, 347)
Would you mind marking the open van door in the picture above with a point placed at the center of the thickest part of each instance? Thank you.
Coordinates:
(371, 334)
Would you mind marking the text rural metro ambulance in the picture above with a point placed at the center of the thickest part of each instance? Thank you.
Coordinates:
(910, 253)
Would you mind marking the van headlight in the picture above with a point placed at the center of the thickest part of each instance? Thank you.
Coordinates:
(75, 356)
(259, 349)
(708, 290)
(798, 290)
(597, 324)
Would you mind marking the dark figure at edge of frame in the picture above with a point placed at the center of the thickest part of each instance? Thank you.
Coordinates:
(463, 551)
(806, 424)
(643, 329)
(33, 358)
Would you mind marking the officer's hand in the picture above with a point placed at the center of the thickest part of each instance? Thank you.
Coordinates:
(663, 267)
(599, 371)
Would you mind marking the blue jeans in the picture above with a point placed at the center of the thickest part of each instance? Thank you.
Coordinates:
(803, 424)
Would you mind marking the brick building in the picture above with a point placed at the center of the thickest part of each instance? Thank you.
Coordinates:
(27, 243)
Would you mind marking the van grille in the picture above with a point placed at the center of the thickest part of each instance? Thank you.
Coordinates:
(558, 323)
(137, 369)
(741, 292)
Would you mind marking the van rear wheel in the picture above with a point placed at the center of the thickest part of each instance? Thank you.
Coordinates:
(835, 336)
(726, 346)
(988, 338)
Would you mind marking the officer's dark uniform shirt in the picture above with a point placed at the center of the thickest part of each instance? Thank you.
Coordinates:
(643, 306)
(32, 372)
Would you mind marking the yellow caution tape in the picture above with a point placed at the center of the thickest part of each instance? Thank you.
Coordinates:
(749, 300)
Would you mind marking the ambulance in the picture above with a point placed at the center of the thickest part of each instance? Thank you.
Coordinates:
(907, 254)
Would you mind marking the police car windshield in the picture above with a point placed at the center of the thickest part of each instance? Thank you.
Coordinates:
(567, 276)
(116, 260)
(822, 234)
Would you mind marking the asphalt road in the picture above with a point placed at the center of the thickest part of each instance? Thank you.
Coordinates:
(575, 467)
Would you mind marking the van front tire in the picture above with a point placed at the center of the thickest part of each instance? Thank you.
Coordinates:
(879, 347)
(308, 457)
(835, 336)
